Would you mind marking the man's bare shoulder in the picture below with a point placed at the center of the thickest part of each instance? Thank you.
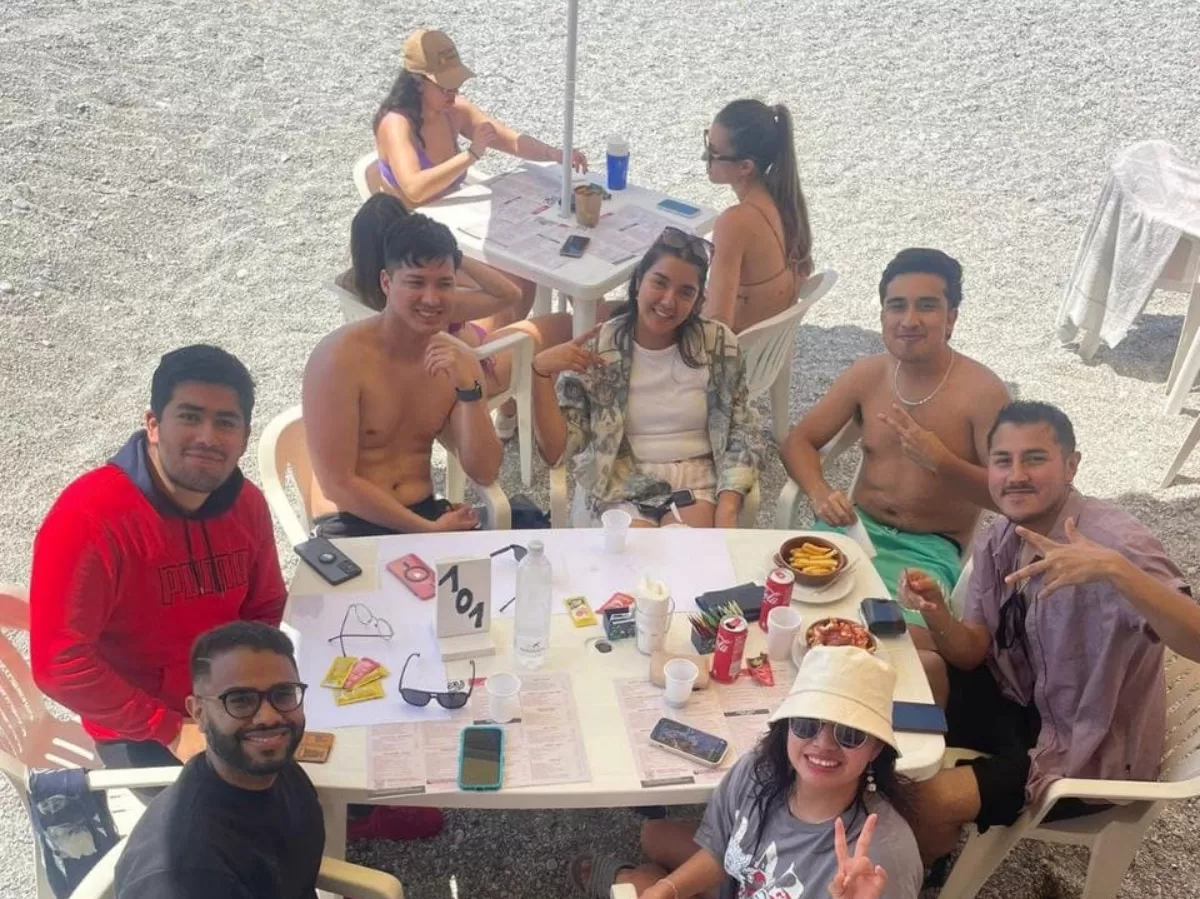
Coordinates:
(865, 371)
(343, 350)
(981, 378)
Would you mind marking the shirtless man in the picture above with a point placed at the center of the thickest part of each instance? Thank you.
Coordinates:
(925, 411)
(378, 392)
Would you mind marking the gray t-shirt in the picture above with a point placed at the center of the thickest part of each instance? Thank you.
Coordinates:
(796, 859)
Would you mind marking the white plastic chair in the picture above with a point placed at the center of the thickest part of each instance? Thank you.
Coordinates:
(791, 494)
(770, 346)
(623, 891)
(283, 446)
(1189, 444)
(520, 386)
(31, 737)
(338, 877)
(367, 179)
(577, 516)
(1113, 836)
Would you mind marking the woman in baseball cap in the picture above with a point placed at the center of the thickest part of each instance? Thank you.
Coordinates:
(811, 811)
(421, 119)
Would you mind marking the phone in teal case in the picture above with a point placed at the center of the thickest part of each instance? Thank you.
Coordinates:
(481, 758)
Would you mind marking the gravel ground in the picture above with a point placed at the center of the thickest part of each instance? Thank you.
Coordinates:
(178, 170)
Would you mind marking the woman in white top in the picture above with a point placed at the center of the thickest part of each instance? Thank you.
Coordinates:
(651, 406)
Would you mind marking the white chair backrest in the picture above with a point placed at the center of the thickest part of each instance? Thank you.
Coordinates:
(1181, 751)
(282, 447)
(353, 309)
(767, 346)
(366, 175)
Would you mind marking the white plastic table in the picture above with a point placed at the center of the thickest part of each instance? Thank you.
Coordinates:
(585, 280)
(614, 780)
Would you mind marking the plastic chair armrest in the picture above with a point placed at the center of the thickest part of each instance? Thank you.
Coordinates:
(98, 883)
(849, 435)
(785, 506)
(1115, 791)
(560, 501)
(132, 778)
(346, 879)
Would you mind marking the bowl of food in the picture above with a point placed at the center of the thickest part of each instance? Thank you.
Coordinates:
(839, 632)
(815, 561)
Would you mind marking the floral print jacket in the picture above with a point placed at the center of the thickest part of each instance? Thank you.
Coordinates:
(594, 403)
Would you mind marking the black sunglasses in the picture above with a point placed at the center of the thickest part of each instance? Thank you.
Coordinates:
(368, 627)
(1010, 632)
(244, 702)
(711, 155)
(447, 700)
(678, 239)
(844, 736)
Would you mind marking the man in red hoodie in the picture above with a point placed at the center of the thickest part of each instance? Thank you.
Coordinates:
(142, 555)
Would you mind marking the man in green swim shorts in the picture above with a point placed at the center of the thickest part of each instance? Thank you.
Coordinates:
(924, 410)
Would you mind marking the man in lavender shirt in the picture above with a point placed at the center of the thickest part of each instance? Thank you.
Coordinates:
(1056, 668)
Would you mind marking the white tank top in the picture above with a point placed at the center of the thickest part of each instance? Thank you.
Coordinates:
(667, 416)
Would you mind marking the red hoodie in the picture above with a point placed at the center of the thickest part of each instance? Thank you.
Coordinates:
(123, 583)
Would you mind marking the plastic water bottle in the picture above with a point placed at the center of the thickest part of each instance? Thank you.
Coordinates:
(532, 630)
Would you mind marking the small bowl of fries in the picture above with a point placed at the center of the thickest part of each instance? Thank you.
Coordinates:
(815, 561)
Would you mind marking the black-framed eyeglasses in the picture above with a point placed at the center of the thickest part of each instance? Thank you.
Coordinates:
(711, 155)
(678, 239)
(1010, 632)
(451, 92)
(244, 702)
(845, 736)
(365, 626)
(451, 699)
(519, 551)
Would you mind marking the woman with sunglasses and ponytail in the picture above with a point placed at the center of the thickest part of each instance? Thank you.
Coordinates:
(763, 244)
(812, 810)
(651, 405)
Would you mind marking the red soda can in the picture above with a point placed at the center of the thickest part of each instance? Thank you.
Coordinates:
(776, 593)
(731, 646)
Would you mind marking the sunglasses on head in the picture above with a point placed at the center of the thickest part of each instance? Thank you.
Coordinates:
(711, 155)
(1010, 632)
(844, 736)
(448, 700)
(678, 239)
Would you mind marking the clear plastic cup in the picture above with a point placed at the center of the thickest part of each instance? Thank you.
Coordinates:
(616, 524)
(504, 697)
(783, 623)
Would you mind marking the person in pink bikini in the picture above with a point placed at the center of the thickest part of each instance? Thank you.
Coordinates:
(420, 121)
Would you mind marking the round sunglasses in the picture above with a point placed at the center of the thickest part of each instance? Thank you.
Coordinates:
(844, 736)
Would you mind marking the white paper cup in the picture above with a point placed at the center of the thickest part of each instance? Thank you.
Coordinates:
(504, 697)
(653, 597)
(680, 676)
(616, 528)
(783, 623)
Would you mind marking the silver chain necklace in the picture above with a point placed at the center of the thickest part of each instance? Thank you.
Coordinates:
(936, 390)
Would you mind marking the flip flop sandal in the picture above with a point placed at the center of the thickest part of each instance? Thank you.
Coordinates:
(601, 877)
(505, 425)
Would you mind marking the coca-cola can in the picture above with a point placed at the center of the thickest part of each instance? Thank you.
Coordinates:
(731, 646)
(776, 593)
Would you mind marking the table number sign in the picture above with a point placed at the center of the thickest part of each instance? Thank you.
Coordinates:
(464, 608)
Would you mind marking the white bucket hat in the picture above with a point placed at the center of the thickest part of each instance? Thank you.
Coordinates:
(843, 685)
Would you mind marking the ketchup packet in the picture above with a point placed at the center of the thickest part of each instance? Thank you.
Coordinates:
(617, 601)
(364, 671)
(760, 669)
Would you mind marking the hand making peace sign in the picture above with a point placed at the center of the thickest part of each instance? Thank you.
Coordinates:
(920, 444)
(1078, 561)
(569, 356)
(857, 877)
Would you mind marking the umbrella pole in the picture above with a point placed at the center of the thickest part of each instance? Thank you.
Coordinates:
(569, 107)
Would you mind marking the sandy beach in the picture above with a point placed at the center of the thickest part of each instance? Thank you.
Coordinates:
(179, 171)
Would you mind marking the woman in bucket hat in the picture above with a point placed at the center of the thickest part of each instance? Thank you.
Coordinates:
(812, 810)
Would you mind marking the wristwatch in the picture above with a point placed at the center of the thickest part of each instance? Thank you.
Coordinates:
(469, 395)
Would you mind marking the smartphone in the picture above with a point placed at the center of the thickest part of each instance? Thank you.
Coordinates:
(922, 717)
(574, 246)
(683, 498)
(883, 617)
(415, 575)
(327, 560)
(689, 742)
(481, 758)
(678, 207)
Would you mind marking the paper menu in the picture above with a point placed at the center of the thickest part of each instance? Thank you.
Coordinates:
(641, 706)
(544, 747)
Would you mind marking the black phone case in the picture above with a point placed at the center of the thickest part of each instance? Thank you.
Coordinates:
(918, 717)
(883, 617)
(336, 570)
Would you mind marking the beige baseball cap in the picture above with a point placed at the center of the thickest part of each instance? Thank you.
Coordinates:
(844, 685)
(433, 54)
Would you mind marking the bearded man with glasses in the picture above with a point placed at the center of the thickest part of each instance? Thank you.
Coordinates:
(1056, 668)
(242, 819)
